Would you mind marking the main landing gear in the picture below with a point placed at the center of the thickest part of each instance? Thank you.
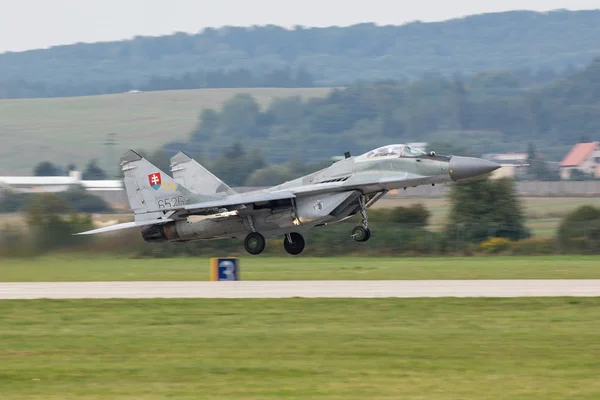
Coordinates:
(254, 243)
(362, 233)
(293, 243)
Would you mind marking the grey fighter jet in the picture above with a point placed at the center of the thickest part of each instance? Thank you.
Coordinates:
(195, 205)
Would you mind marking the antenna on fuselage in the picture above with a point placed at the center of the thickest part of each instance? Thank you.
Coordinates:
(347, 154)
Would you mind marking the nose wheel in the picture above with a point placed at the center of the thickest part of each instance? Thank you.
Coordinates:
(293, 243)
(362, 233)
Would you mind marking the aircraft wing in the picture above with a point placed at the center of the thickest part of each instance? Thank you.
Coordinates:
(333, 187)
(125, 225)
(322, 188)
(310, 189)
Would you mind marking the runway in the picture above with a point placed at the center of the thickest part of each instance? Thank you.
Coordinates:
(306, 289)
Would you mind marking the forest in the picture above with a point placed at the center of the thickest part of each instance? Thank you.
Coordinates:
(249, 143)
(545, 44)
(483, 113)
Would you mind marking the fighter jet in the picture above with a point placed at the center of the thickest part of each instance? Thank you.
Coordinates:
(194, 204)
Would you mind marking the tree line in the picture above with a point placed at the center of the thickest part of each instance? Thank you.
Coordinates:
(236, 166)
(198, 79)
(487, 112)
(91, 172)
(544, 43)
(486, 217)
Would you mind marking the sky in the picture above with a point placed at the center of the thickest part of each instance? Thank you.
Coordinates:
(32, 24)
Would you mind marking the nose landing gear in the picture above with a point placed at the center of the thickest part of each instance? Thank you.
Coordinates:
(362, 233)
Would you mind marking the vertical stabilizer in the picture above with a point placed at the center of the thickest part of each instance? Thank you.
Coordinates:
(151, 192)
(189, 173)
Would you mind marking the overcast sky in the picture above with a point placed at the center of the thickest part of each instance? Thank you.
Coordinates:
(29, 24)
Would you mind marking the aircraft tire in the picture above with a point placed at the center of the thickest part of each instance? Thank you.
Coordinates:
(254, 243)
(361, 234)
(296, 247)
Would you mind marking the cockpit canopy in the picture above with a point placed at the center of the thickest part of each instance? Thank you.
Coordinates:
(394, 150)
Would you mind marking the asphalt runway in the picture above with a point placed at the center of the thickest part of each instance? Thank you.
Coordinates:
(307, 289)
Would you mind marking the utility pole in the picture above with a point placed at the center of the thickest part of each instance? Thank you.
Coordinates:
(111, 163)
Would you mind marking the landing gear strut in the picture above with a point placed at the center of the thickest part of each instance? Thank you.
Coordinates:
(362, 233)
(254, 243)
(293, 243)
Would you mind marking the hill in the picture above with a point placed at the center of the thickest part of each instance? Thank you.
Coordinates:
(546, 43)
(494, 111)
(66, 130)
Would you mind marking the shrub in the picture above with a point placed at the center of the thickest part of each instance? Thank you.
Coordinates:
(580, 230)
(13, 201)
(484, 208)
(81, 200)
(77, 198)
(580, 245)
(495, 245)
(416, 215)
(49, 227)
(535, 246)
(14, 242)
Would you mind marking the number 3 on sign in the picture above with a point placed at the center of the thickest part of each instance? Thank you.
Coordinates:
(227, 267)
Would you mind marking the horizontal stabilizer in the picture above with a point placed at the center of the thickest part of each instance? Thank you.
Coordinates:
(125, 225)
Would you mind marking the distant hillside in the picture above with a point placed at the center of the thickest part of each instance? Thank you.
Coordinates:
(73, 130)
(494, 111)
(546, 43)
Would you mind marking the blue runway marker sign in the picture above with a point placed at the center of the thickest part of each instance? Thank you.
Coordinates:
(224, 269)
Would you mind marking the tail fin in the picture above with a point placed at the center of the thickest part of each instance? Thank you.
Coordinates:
(199, 180)
(152, 192)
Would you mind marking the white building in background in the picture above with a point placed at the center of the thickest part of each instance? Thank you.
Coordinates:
(112, 191)
(56, 183)
(41, 183)
(512, 164)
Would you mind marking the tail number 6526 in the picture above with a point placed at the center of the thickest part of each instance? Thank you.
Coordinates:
(171, 202)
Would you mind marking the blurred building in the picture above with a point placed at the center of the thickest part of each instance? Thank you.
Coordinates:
(583, 157)
(419, 145)
(111, 191)
(514, 165)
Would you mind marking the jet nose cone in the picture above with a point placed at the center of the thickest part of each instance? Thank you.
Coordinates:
(469, 167)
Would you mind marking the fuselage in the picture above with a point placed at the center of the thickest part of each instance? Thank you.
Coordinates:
(194, 204)
(323, 197)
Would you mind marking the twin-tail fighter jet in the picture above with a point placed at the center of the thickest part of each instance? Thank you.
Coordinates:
(196, 205)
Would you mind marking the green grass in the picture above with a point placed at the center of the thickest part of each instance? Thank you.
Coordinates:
(84, 268)
(337, 349)
(543, 213)
(544, 227)
(74, 129)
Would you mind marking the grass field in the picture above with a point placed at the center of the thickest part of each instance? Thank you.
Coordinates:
(84, 268)
(543, 213)
(439, 349)
(74, 129)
